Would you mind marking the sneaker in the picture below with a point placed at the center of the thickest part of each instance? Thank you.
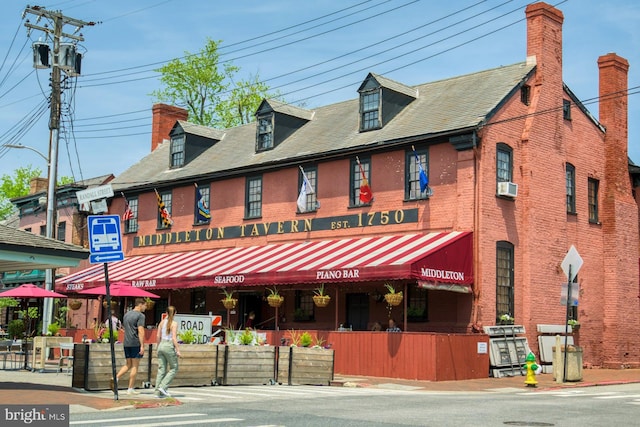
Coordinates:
(158, 396)
(164, 392)
(132, 391)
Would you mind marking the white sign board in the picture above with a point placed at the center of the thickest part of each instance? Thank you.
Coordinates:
(95, 193)
(200, 324)
(572, 261)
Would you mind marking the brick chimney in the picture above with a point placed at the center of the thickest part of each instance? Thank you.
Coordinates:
(613, 115)
(164, 117)
(544, 41)
(38, 185)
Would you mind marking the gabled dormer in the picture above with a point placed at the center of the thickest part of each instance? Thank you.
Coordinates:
(188, 141)
(276, 121)
(381, 99)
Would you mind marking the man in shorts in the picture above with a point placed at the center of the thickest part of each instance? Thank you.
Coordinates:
(133, 323)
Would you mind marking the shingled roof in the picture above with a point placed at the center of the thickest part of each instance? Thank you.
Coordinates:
(444, 106)
(22, 250)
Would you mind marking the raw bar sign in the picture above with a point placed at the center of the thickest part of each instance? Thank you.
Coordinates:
(359, 220)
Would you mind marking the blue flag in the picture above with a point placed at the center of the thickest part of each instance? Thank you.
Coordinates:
(203, 214)
(424, 181)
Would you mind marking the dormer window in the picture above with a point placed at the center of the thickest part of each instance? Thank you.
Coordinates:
(370, 110)
(177, 151)
(265, 132)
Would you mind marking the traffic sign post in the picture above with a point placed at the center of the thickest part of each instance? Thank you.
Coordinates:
(105, 246)
(105, 239)
(571, 264)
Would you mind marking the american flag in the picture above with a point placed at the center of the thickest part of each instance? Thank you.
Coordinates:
(128, 213)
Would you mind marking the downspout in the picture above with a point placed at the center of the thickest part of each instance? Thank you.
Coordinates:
(475, 308)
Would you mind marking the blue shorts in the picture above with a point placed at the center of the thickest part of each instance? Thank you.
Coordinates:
(132, 353)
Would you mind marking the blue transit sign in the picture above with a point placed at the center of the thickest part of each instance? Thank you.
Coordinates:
(105, 240)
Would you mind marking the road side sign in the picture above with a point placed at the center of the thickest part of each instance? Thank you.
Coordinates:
(105, 240)
(573, 260)
(95, 193)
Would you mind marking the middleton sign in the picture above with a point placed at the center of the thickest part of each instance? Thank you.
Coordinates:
(359, 220)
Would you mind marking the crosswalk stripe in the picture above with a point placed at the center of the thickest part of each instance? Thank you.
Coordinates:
(186, 422)
(139, 418)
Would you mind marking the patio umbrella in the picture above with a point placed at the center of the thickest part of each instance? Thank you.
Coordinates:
(29, 290)
(26, 291)
(120, 289)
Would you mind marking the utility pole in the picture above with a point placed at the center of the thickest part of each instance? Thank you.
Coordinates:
(69, 61)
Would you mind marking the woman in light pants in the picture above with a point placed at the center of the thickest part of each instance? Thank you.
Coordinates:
(168, 353)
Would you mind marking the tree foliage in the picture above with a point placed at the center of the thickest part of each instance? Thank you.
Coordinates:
(201, 84)
(18, 185)
(15, 186)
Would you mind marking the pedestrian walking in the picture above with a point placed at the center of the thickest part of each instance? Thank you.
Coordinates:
(133, 323)
(168, 353)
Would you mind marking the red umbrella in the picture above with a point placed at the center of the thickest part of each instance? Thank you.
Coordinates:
(29, 290)
(120, 289)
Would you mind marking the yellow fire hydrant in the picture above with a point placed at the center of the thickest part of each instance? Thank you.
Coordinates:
(531, 368)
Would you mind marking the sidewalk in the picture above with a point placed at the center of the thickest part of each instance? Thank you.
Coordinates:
(25, 387)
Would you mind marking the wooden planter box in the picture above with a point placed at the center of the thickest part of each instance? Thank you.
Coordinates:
(92, 366)
(196, 367)
(305, 365)
(245, 364)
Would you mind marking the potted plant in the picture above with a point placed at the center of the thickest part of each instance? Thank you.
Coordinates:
(53, 329)
(305, 361)
(187, 336)
(105, 335)
(228, 301)
(392, 297)
(150, 303)
(320, 299)
(114, 304)
(575, 325)
(506, 319)
(75, 304)
(274, 299)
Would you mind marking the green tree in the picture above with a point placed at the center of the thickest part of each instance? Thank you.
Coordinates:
(15, 186)
(200, 83)
(19, 185)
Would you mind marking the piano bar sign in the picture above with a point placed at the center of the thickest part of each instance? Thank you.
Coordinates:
(359, 220)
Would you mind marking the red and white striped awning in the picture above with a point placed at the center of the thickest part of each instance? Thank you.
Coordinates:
(436, 258)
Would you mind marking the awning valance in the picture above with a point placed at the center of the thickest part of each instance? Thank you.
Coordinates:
(434, 257)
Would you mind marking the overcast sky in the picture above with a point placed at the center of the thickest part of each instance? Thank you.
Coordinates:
(317, 52)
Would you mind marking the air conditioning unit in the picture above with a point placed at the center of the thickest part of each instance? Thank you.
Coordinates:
(508, 189)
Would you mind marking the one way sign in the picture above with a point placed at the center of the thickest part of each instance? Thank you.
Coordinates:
(105, 240)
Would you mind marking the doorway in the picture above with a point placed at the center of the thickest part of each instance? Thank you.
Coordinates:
(357, 311)
(249, 302)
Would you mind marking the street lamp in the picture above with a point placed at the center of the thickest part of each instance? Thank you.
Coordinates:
(52, 165)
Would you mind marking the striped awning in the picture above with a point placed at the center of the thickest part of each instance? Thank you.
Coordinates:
(436, 258)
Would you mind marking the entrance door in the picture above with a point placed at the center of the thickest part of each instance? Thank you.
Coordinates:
(249, 302)
(357, 311)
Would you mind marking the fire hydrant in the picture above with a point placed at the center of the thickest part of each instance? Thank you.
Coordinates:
(531, 368)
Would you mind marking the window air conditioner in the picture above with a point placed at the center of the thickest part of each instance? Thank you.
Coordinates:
(508, 189)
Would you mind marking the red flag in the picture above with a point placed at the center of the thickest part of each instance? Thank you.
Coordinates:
(128, 213)
(366, 196)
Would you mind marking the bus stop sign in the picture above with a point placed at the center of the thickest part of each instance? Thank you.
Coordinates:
(105, 240)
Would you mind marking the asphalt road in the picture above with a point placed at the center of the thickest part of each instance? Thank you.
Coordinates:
(338, 406)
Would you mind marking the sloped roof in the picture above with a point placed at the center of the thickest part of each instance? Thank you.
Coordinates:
(200, 130)
(443, 106)
(22, 250)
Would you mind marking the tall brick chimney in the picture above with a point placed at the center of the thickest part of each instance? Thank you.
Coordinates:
(613, 115)
(619, 217)
(164, 117)
(544, 41)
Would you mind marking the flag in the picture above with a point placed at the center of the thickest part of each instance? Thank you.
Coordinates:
(164, 213)
(203, 214)
(365, 191)
(424, 180)
(305, 188)
(128, 213)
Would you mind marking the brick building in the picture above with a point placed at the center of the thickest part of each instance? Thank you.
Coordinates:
(518, 171)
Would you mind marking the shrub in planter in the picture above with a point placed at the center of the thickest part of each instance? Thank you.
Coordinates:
(187, 337)
(16, 328)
